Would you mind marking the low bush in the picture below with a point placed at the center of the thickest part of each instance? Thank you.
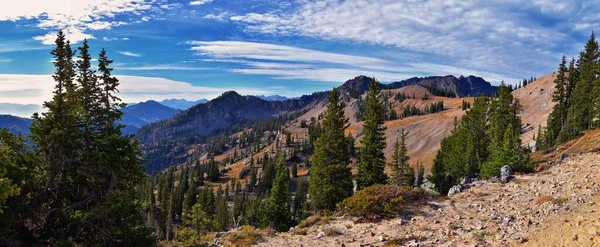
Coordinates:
(382, 200)
(246, 236)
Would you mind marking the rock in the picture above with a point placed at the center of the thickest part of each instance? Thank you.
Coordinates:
(382, 238)
(466, 180)
(575, 238)
(455, 190)
(563, 157)
(320, 234)
(506, 173)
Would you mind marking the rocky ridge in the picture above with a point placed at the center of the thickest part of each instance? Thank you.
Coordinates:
(530, 209)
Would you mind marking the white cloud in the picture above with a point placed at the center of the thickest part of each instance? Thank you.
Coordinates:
(200, 2)
(75, 17)
(5, 60)
(520, 37)
(35, 89)
(292, 63)
(129, 54)
(113, 39)
(218, 17)
(161, 67)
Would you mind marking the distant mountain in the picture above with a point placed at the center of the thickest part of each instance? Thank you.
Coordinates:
(272, 97)
(144, 113)
(16, 125)
(182, 104)
(462, 86)
(19, 109)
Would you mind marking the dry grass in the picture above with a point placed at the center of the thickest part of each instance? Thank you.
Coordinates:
(332, 231)
(246, 236)
(554, 200)
(403, 241)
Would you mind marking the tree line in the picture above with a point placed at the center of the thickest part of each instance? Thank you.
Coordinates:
(577, 98)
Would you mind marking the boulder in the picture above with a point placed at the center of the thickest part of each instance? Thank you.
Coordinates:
(456, 189)
(506, 173)
(466, 180)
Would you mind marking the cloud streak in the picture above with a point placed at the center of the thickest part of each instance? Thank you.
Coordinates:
(519, 36)
(293, 63)
(129, 54)
(35, 89)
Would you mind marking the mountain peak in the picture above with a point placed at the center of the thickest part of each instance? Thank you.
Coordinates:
(358, 84)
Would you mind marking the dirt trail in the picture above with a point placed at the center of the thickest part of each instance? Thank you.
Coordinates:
(544, 209)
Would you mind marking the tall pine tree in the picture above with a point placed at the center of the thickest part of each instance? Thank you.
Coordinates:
(372, 160)
(330, 176)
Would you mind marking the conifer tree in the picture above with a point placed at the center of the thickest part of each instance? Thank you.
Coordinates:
(558, 117)
(582, 100)
(279, 202)
(331, 178)
(300, 199)
(372, 160)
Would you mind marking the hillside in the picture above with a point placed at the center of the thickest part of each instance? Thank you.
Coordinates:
(462, 86)
(548, 208)
(144, 113)
(16, 125)
(182, 104)
(536, 101)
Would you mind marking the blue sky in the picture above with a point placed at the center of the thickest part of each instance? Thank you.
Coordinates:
(200, 48)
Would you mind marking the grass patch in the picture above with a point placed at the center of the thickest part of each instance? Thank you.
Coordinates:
(246, 236)
(332, 231)
(382, 200)
(554, 200)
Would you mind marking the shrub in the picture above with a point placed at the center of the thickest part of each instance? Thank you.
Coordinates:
(332, 231)
(246, 236)
(383, 200)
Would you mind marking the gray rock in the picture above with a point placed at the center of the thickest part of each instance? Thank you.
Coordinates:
(427, 185)
(456, 189)
(506, 173)
(563, 157)
(466, 180)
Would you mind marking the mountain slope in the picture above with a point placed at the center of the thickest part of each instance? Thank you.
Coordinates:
(144, 113)
(19, 109)
(15, 125)
(272, 97)
(462, 86)
(182, 104)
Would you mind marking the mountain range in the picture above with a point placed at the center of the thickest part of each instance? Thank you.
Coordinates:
(182, 104)
(16, 125)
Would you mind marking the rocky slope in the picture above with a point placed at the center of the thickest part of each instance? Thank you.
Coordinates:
(555, 207)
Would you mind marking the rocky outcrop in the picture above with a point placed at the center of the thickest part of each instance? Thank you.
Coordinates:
(488, 214)
(506, 173)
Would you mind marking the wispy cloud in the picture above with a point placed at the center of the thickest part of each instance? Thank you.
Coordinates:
(293, 63)
(519, 36)
(200, 2)
(129, 54)
(35, 89)
(113, 39)
(218, 17)
(5, 60)
(161, 67)
(76, 18)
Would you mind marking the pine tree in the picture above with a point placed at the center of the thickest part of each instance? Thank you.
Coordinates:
(221, 211)
(331, 178)
(582, 100)
(372, 160)
(279, 202)
(558, 117)
(195, 223)
(300, 199)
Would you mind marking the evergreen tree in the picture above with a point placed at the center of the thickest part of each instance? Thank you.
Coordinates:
(300, 199)
(195, 223)
(558, 117)
(372, 160)
(331, 178)
(582, 100)
(279, 202)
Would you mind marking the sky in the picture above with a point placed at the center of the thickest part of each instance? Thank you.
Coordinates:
(197, 49)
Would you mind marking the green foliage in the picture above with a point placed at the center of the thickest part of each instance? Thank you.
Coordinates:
(279, 210)
(7, 161)
(331, 179)
(195, 223)
(372, 160)
(486, 139)
(400, 170)
(383, 200)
